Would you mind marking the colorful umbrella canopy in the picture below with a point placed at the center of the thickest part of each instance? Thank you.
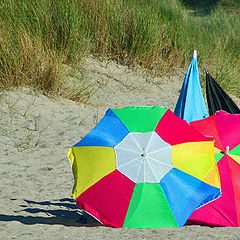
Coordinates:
(217, 98)
(143, 167)
(225, 211)
(191, 105)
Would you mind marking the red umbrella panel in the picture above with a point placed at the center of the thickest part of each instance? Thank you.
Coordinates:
(225, 211)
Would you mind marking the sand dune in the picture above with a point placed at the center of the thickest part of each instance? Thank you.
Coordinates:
(36, 177)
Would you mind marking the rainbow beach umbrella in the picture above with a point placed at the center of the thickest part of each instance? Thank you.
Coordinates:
(225, 211)
(143, 167)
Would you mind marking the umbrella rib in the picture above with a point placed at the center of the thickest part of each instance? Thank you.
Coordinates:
(128, 150)
(149, 142)
(128, 162)
(139, 170)
(165, 164)
(159, 150)
(149, 162)
(219, 136)
(137, 143)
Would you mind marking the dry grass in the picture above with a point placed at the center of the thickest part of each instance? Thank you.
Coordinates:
(37, 37)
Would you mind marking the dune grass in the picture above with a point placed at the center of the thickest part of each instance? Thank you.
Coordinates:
(37, 37)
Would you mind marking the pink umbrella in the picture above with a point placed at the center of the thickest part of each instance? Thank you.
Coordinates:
(225, 211)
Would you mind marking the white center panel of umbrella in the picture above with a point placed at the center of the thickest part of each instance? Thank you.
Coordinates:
(144, 157)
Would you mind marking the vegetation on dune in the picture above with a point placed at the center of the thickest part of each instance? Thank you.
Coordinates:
(37, 37)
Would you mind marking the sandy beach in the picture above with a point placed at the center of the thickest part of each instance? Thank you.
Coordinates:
(36, 176)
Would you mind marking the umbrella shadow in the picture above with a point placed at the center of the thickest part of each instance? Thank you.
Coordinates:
(66, 213)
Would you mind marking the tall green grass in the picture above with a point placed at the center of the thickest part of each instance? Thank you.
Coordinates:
(37, 37)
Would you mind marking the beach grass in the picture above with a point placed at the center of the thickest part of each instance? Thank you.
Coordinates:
(38, 37)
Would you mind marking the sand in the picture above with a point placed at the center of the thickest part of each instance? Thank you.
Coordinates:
(36, 178)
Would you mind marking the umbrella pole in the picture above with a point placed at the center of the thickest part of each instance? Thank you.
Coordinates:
(227, 150)
(194, 53)
(205, 69)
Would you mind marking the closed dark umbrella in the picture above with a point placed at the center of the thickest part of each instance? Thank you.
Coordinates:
(217, 98)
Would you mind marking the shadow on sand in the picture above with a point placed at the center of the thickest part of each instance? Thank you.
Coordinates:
(72, 216)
